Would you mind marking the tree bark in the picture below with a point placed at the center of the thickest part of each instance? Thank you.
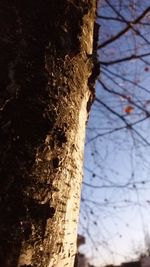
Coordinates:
(46, 90)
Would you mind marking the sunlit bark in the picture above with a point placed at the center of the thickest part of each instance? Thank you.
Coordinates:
(46, 86)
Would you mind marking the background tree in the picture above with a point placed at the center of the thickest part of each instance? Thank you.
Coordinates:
(46, 81)
(116, 186)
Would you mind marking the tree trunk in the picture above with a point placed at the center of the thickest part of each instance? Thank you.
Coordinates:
(46, 88)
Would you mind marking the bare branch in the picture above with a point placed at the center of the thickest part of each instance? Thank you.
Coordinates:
(122, 32)
(120, 60)
(110, 18)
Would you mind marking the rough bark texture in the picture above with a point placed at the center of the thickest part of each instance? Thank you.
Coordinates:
(45, 90)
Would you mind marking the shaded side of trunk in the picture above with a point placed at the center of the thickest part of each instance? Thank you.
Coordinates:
(46, 71)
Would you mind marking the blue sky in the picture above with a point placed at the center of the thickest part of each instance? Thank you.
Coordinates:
(115, 210)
